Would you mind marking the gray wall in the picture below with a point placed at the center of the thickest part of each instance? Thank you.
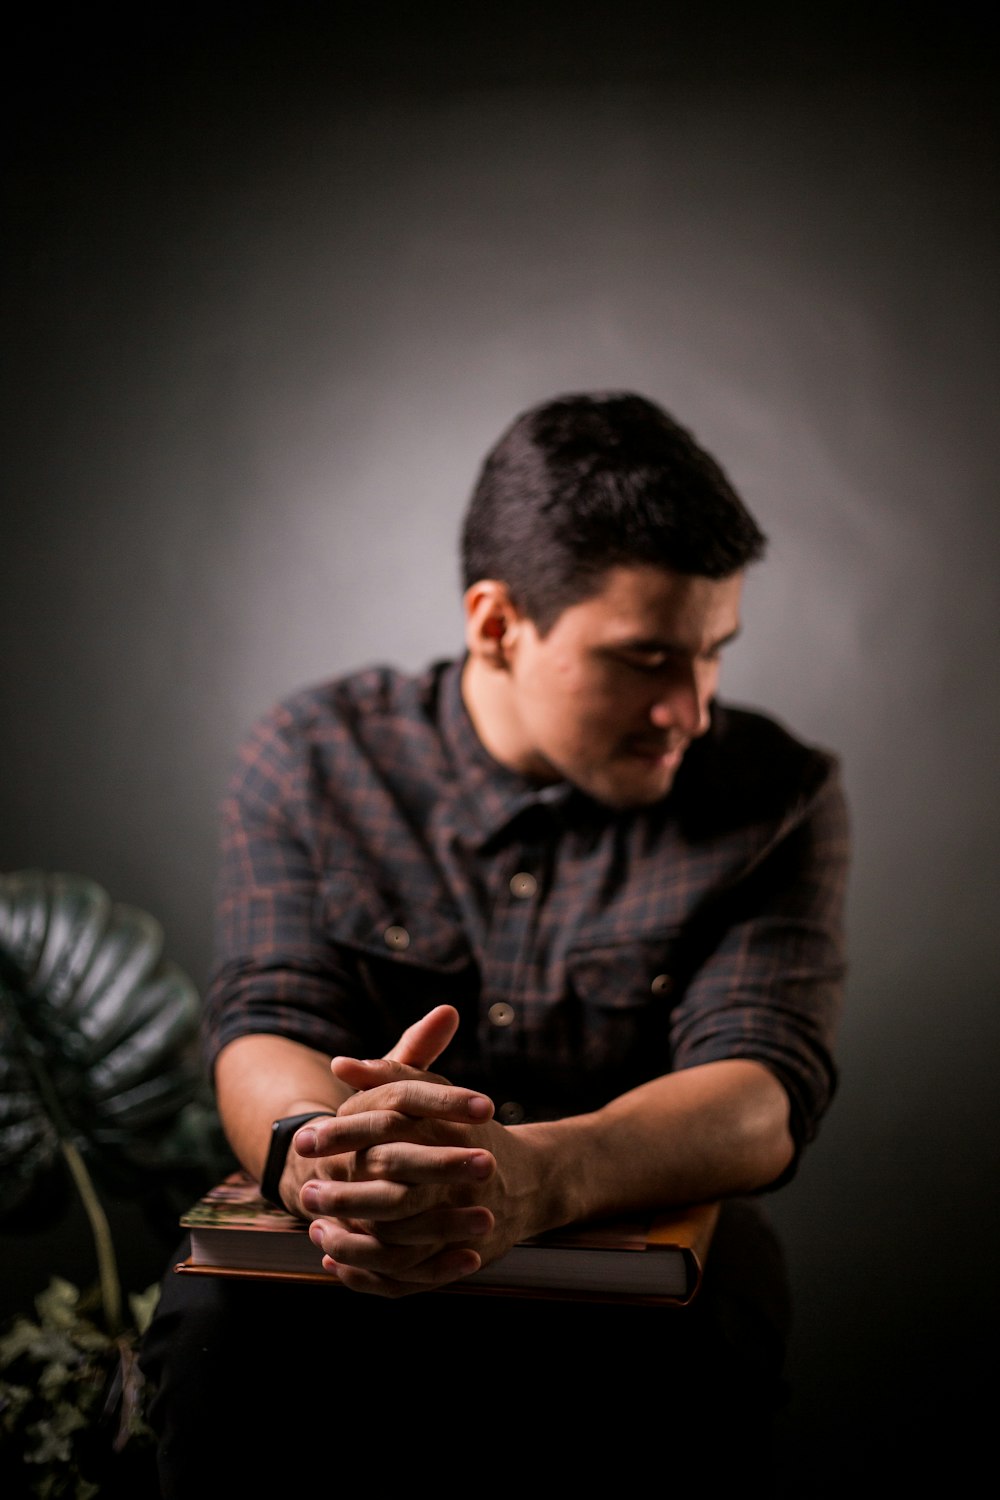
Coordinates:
(275, 289)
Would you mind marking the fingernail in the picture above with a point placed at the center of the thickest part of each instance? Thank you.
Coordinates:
(480, 1225)
(316, 1233)
(309, 1196)
(305, 1141)
(463, 1262)
(480, 1107)
(479, 1166)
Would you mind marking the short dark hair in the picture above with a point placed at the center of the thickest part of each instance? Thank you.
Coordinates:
(585, 483)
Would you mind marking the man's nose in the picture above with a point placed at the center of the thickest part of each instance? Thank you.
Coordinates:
(684, 703)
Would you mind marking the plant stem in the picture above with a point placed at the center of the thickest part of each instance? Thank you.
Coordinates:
(107, 1265)
(107, 1268)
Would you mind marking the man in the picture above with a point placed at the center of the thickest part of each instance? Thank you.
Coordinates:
(568, 929)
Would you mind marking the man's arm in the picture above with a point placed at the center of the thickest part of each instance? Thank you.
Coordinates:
(262, 1077)
(703, 1133)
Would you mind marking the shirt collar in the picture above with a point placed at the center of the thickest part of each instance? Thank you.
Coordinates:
(492, 794)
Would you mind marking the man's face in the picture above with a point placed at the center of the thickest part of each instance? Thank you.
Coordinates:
(613, 695)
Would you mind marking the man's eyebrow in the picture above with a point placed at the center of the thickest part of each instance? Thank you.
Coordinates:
(727, 639)
(656, 645)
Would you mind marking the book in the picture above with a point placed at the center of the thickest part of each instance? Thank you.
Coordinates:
(656, 1259)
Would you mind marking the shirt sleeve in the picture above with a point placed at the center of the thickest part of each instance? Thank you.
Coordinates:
(274, 970)
(768, 980)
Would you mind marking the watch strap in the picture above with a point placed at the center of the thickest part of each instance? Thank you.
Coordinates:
(277, 1152)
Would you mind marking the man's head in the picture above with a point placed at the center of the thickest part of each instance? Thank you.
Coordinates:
(604, 555)
(583, 484)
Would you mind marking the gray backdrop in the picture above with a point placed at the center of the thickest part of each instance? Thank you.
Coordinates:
(275, 288)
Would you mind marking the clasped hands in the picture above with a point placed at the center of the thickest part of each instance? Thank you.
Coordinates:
(414, 1183)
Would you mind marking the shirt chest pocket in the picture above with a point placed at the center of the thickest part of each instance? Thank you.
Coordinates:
(619, 1000)
(407, 955)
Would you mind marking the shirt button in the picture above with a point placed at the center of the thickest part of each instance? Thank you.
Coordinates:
(501, 1014)
(523, 885)
(662, 984)
(511, 1113)
(397, 938)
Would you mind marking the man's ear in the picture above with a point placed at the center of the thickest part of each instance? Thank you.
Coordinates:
(492, 622)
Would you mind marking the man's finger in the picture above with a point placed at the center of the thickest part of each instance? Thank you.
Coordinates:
(410, 1098)
(451, 1266)
(367, 1073)
(398, 1215)
(411, 1164)
(364, 1263)
(375, 1128)
(424, 1041)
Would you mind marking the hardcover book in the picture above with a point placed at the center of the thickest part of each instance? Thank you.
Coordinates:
(656, 1259)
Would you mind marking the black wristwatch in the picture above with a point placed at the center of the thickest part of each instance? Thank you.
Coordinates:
(277, 1154)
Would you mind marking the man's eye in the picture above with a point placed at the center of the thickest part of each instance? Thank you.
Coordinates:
(644, 662)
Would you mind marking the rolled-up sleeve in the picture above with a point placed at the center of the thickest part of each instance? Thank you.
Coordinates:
(274, 970)
(768, 979)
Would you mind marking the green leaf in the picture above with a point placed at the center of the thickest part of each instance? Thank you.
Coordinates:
(53, 1434)
(98, 1039)
(143, 1305)
(58, 1304)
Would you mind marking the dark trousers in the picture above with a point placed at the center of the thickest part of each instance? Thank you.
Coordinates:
(318, 1387)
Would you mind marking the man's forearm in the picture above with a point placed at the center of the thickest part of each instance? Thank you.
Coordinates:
(702, 1133)
(259, 1078)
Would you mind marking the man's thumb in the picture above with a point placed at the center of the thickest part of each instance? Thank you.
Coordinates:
(423, 1042)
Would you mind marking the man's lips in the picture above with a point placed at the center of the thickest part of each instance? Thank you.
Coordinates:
(656, 750)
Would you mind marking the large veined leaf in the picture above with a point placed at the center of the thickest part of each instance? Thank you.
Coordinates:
(98, 1040)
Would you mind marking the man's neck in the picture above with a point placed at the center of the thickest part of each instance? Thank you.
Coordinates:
(486, 695)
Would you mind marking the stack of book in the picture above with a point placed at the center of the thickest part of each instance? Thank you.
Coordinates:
(655, 1260)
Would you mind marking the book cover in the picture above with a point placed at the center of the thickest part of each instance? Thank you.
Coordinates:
(656, 1259)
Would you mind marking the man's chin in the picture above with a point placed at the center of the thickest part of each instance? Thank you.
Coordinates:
(642, 783)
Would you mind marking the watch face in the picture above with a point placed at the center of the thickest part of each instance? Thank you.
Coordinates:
(281, 1138)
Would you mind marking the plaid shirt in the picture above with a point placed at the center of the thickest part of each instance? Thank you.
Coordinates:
(377, 861)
